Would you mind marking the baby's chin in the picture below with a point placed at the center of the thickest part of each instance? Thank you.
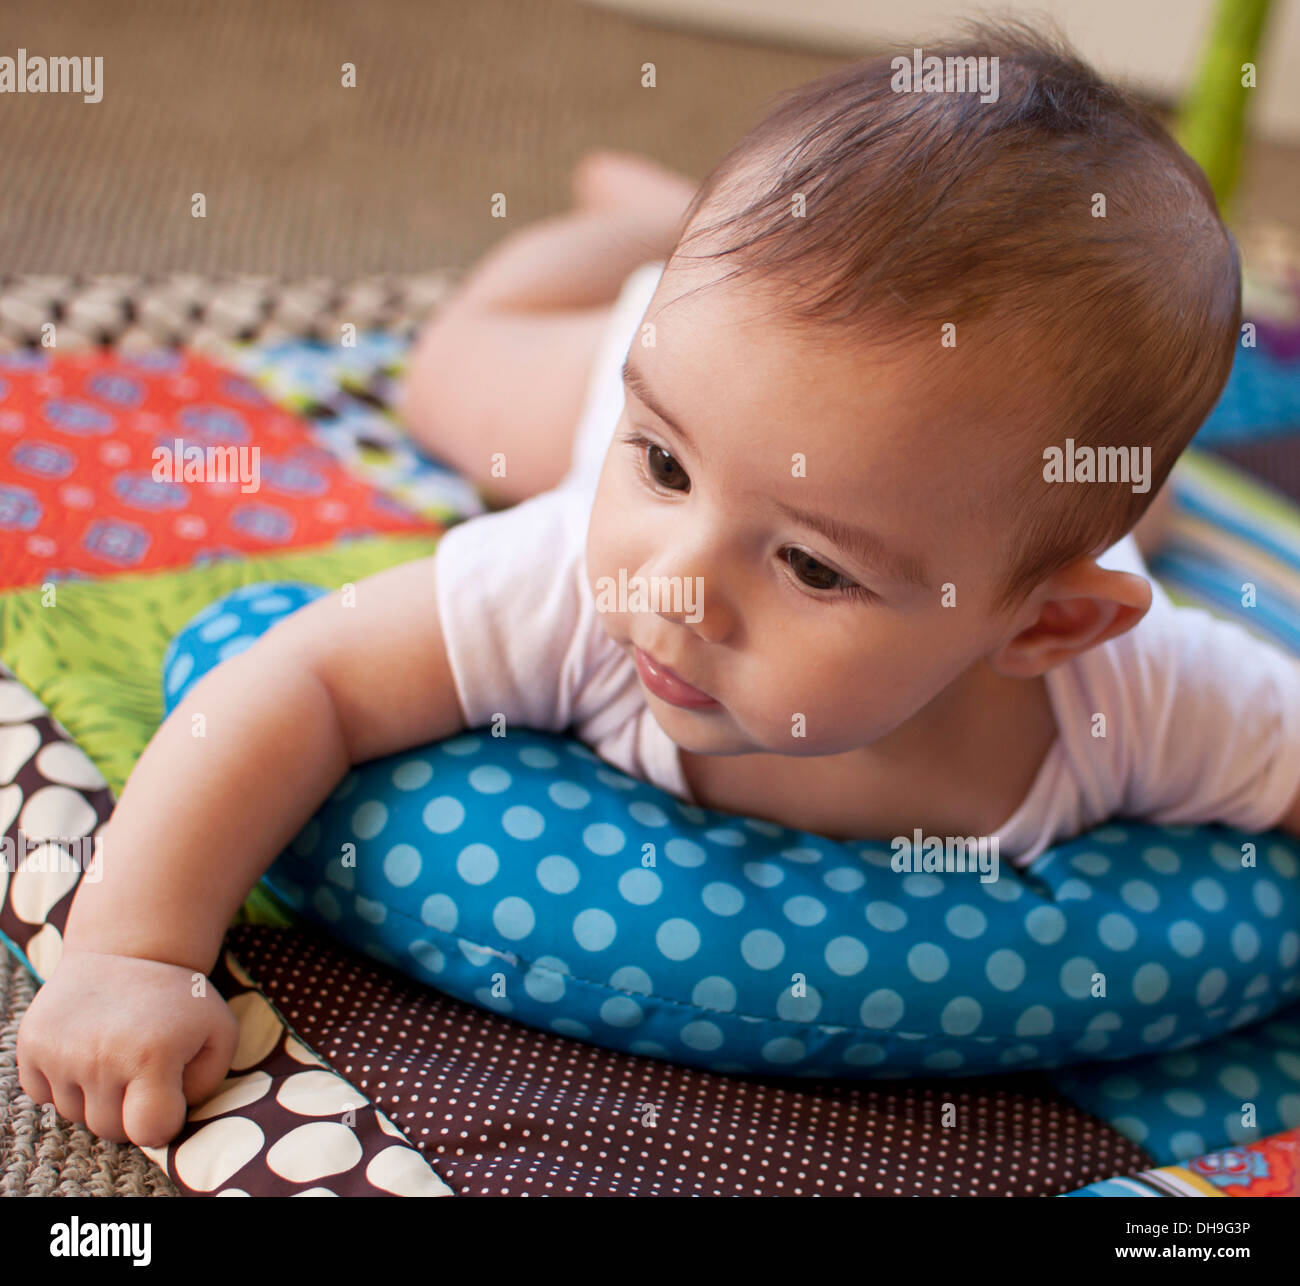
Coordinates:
(700, 732)
(713, 731)
(719, 731)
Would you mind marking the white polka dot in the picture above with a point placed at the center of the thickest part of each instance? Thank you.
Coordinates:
(405, 1173)
(882, 1008)
(677, 939)
(927, 962)
(702, 1035)
(314, 1151)
(514, 918)
(488, 779)
(684, 852)
(603, 839)
(568, 794)
(594, 929)
(722, 898)
(557, 874)
(622, 1012)
(317, 1093)
(639, 886)
(536, 757)
(369, 819)
(477, 864)
(239, 1092)
(647, 814)
(402, 865)
(259, 1029)
(439, 912)
(17, 703)
(55, 812)
(762, 949)
(209, 1157)
(18, 743)
(714, 993)
(66, 764)
(522, 822)
(846, 956)
(804, 911)
(443, 815)
(412, 774)
(783, 1049)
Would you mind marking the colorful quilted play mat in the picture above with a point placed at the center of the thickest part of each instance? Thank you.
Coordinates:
(139, 486)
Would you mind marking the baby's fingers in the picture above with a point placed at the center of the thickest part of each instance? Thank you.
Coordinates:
(69, 1101)
(31, 1079)
(205, 1072)
(153, 1108)
(104, 1111)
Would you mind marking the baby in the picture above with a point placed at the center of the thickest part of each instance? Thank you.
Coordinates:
(844, 541)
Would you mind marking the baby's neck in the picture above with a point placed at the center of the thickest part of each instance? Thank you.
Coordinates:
(962, 765)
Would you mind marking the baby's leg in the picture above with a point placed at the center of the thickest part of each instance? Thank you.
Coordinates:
(502, 369)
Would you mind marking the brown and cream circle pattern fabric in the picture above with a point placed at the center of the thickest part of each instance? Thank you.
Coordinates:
(285, 1124)
(282, 1123)
(504, 1110)
(53, 805)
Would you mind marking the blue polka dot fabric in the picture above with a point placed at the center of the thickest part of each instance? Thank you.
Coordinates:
(523, 874)
(1235, 1090)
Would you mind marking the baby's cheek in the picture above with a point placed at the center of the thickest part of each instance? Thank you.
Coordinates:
(613, 537)
(856, 698)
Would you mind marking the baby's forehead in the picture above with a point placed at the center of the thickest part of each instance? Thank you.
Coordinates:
(774, 409)
(705, 330)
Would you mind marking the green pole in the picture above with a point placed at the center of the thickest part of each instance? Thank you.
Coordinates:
(1212, 123)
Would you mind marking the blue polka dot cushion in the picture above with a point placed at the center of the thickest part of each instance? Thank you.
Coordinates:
(522, 874)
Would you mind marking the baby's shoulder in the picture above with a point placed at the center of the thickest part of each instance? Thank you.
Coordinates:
(523, 556)
(517, 616)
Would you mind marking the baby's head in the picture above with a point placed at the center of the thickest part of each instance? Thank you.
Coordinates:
(886, 310)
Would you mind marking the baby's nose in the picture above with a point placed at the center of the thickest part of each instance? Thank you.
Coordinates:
(692, 600)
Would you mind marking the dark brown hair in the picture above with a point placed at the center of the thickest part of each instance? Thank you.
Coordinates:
(931, 207)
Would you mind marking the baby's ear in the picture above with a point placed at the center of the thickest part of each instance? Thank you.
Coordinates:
(1076, 609)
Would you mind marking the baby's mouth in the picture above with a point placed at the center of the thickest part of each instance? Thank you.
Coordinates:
(668, 685)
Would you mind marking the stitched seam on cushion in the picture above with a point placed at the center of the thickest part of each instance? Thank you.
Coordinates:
(787, 1023)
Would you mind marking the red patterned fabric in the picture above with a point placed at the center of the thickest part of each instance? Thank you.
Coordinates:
(84, 490)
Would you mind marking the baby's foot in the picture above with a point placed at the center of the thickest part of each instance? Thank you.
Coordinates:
(627, 181)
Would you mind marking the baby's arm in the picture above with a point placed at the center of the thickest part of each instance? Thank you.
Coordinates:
(115, 1037)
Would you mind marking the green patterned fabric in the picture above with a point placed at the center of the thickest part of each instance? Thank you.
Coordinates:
(94, 655)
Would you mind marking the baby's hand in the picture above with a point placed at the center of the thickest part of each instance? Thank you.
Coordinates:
(123, 1044)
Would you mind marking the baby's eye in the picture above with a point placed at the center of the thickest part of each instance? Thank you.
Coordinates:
(819, 576)
(665, 470)
(814, 574)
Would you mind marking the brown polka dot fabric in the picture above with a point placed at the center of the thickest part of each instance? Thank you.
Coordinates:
(499, 1109)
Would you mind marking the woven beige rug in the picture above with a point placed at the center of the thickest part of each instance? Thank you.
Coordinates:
(242, 101)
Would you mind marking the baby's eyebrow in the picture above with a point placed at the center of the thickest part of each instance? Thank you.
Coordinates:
(633, 379)
(866, 545)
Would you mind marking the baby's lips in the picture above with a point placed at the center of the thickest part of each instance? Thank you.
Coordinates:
(668, 685)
